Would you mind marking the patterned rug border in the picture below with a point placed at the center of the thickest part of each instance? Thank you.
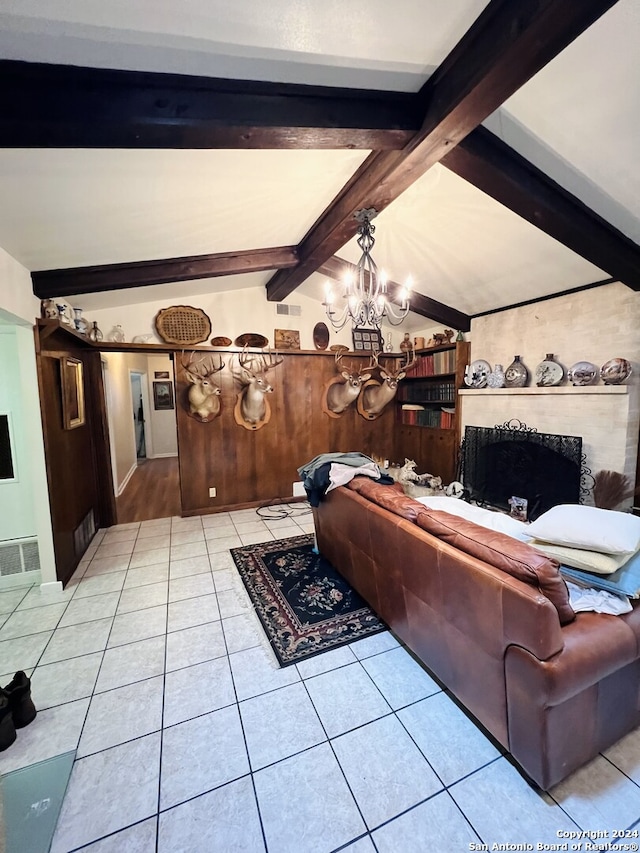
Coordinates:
(279, 619)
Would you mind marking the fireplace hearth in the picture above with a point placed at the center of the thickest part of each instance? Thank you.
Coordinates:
(514, 460)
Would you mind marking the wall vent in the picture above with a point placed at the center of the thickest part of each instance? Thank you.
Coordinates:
(288, 310)
(84, 533)
(18, 556)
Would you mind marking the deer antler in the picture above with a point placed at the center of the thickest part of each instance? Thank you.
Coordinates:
(203, 368)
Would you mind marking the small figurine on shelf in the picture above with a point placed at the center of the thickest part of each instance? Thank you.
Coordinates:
(116, 335)
(460, 336)
(405, 344)
(389, 345)
(48, 309)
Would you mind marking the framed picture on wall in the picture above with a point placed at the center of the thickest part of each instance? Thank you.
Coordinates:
(161, 374)
(71, 380)
(367, 339)
(162, 396)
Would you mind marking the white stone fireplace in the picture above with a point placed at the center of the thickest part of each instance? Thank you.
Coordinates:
(605, 417)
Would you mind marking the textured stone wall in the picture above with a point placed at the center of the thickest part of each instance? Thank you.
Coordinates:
(593, 325)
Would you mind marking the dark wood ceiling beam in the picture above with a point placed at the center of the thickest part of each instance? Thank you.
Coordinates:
(98, 279)
(337, 269)
(57, 106)
(489, 164)
(505, 47)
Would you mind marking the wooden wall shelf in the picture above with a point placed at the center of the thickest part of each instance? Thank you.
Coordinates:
(559, 390)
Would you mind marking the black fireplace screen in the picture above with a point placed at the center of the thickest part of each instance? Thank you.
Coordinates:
(501, 462)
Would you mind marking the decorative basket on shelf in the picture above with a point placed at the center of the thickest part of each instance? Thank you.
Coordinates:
(183, 325)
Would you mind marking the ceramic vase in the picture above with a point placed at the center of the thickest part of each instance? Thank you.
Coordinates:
(496, 378)
(95, 334)
(516, 375)
(79, 322)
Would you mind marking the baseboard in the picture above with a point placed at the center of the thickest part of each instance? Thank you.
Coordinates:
(163, 456)
(123, 484)
(51, 586)
(19, 579)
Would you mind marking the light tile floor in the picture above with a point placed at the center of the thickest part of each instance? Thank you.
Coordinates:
(189, 737)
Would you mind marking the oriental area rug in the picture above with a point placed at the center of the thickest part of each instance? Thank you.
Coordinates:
(306, 607)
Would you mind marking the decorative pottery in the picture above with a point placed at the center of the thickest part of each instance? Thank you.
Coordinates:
(549, 372)
(615, 371)
(321, 336)
(496, 378)
(582, 373)
(418, 343)
(141, 339)
(95, 334)
(116, 335)
(81, 325)
(460, 336)
(477, 373)
(338, 348)
(516, 375)
(221, 341)
(251, 339)
(64, 314)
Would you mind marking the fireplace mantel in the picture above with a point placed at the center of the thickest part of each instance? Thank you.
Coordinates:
(562, 389)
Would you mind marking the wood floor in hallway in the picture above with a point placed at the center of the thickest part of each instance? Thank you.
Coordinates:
(152, 492)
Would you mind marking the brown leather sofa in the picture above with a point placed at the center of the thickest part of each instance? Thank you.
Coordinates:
(491, 618)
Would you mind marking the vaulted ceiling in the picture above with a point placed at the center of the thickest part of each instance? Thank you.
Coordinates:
(157, 149)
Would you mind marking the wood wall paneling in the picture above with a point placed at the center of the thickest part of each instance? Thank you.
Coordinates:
(77, 460)
(250, 466)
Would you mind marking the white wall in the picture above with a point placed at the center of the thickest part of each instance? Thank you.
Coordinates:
(592, 325)
(18, 379)
(121, 425)
(234, 312)
(160, 424)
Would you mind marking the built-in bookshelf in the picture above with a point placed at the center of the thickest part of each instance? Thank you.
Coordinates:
(428, 410)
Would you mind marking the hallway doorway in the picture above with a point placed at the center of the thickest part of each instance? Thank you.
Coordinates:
(139, 419)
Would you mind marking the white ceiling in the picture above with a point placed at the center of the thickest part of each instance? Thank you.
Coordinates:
(578, 119)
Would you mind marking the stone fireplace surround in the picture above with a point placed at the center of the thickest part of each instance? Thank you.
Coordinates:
(605, 417)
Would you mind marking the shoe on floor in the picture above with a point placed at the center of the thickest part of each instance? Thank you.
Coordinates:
(7, 728)
(18, 692)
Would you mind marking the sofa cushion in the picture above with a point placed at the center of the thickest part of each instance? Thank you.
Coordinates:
(510, 556)
(389, 497)
(588, 527)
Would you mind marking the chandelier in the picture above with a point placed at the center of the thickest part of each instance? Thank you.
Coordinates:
(367, 300)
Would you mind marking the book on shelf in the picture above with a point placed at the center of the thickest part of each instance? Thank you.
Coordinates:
(416, 392)
(419, 416)
(434, 364)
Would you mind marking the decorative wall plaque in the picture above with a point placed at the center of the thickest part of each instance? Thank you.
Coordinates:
(183, 325)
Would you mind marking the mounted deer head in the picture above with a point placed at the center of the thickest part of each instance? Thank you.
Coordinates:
(252, 409)
(203, 396)
(377, 395)
(339, 395)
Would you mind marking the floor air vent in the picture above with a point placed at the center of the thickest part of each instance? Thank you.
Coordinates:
(84, 533)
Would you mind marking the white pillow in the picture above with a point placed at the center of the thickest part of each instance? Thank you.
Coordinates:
(588, 527)
(578, 558)
(484, 517)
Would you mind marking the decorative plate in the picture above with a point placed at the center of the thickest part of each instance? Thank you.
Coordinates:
(251, 339)
(338, 348)
(183, 325)
(479, 371)
(221, 341)
(615, 371)
(582, 373)
(549, 372)
(321, 336)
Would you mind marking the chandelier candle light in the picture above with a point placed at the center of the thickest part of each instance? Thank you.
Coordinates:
(367, 299)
